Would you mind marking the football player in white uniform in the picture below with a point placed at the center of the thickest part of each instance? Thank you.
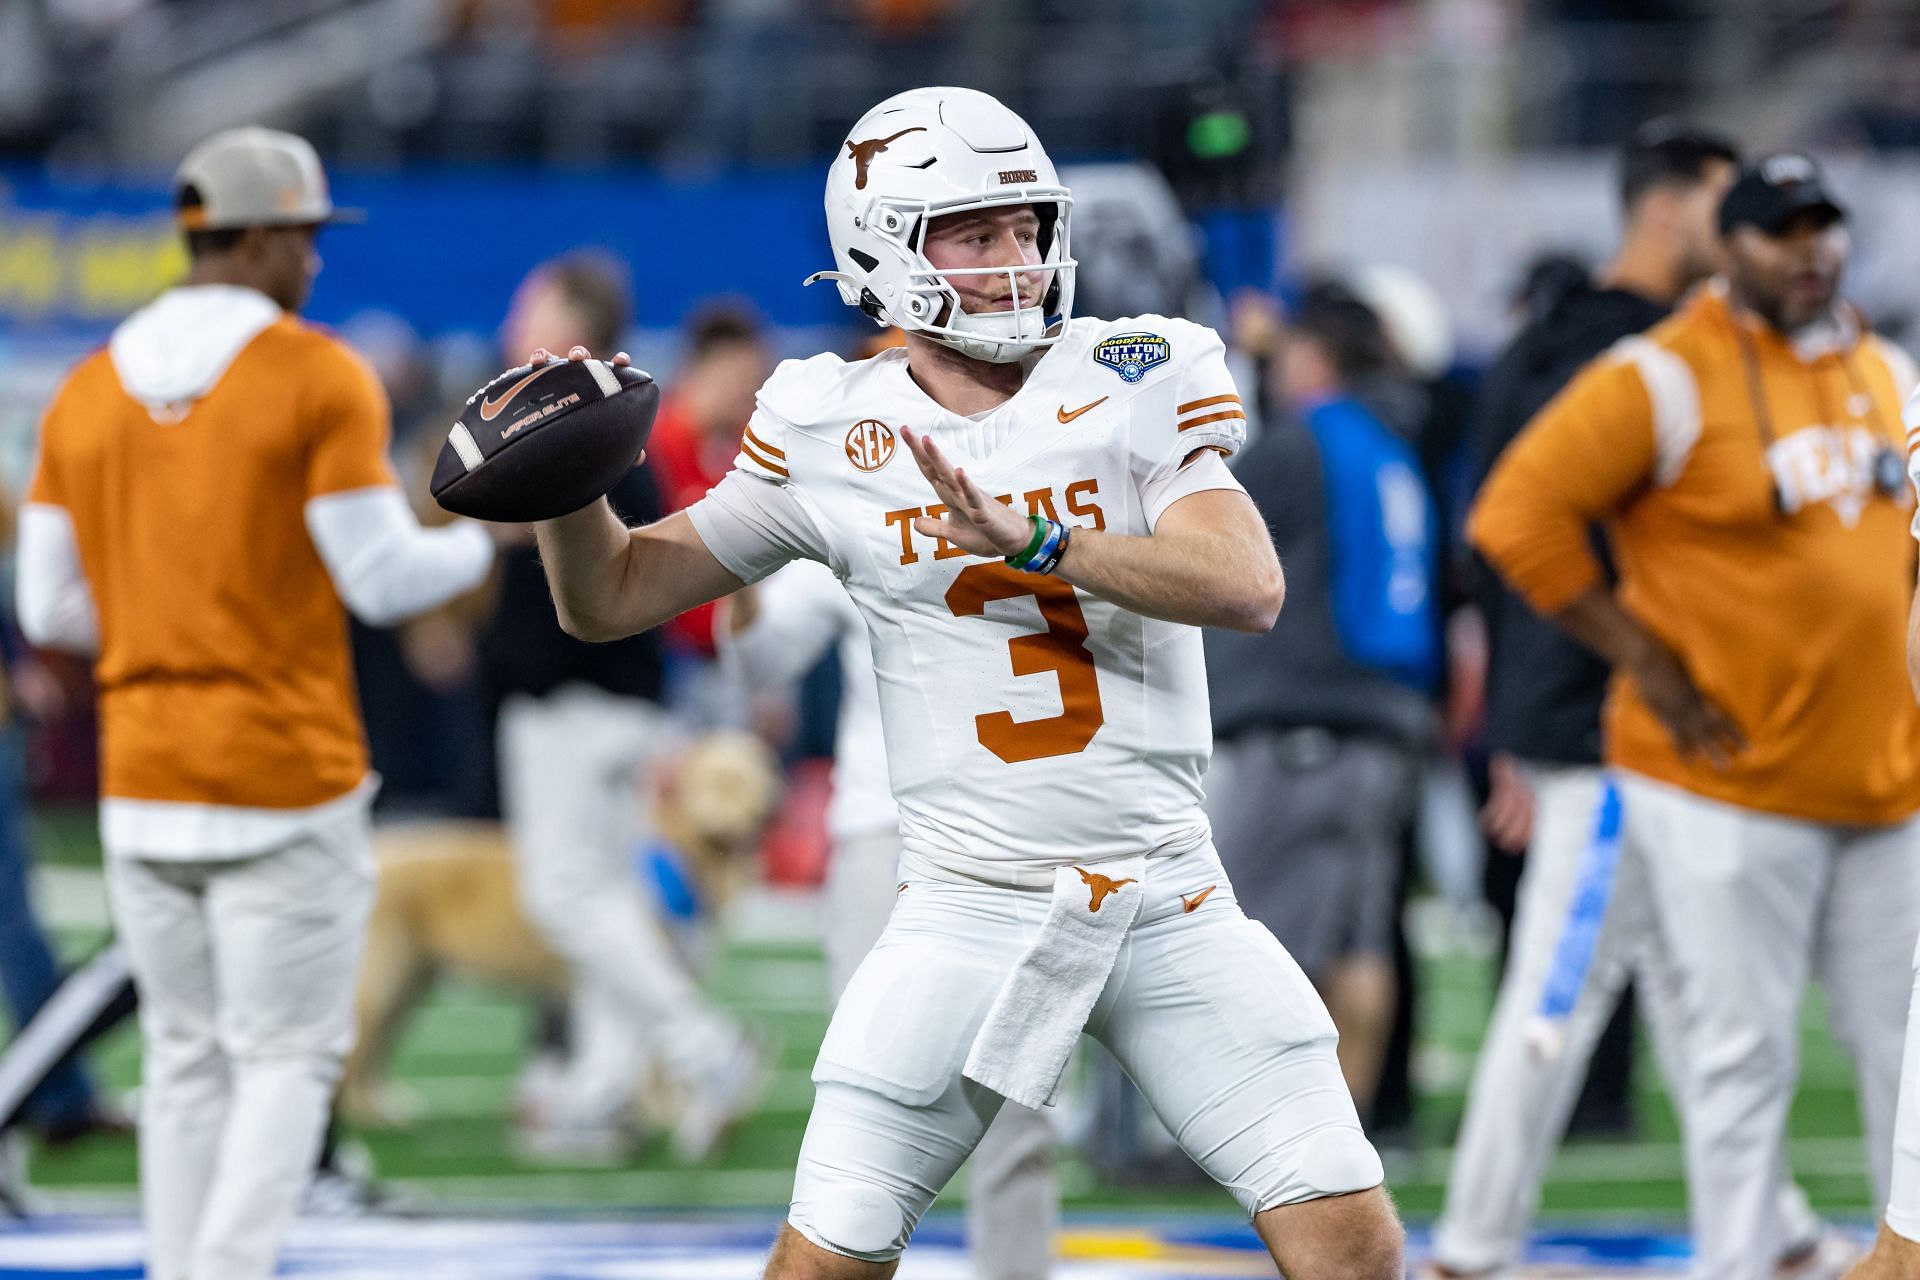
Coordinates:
(774, 633)
(1896, 1253)
(1032, 514)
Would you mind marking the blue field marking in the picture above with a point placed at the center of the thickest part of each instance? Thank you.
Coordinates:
(1095, 1247)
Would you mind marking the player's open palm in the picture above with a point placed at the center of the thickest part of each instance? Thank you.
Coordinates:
(973, 521)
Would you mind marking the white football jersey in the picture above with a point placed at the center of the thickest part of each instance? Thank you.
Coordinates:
(1028, 725)
(804, 612)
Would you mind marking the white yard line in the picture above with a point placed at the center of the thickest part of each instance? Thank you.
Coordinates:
(473, 1097)
(719, 1188)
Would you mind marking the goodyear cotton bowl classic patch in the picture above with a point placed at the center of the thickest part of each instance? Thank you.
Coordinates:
(1131, 354)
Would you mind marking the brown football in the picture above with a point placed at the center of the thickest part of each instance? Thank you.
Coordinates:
(542, 441)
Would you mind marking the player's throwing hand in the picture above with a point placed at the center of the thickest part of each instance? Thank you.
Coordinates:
(973, 521)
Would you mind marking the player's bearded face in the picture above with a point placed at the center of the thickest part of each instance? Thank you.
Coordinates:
(1791, 278)
(1003, 238)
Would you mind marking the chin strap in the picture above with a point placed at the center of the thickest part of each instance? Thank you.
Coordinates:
(839, 277)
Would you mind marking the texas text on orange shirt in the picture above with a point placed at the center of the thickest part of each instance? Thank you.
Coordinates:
(224, 669)
(1794, 623)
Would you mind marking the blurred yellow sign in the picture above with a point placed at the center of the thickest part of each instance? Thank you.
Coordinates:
(60, 269)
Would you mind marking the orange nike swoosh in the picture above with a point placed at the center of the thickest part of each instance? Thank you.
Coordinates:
(1066, 417)
(490, 407)
(1193, 903)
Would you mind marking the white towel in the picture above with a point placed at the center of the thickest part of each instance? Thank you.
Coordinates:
(1031, 1029)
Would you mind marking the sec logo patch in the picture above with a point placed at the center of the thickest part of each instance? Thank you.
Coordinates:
(1131, 354)
(870, 444)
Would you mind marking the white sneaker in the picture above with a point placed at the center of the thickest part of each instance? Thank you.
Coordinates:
(602, 1146)
(336, 1195)
(1824, 1258)
(719, 1098)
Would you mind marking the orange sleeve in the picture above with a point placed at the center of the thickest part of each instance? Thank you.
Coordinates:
(46, 486)
(350, 428)
(1575, 464)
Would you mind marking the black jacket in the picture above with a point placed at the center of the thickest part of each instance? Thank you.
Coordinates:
(1298, 675)
(523, 649)
(1544, 688)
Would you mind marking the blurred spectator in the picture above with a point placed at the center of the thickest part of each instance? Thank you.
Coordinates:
(579, 727)
(426, 729)
(1444, 841)
(1138, 253)
(1321, 722)
(695, 438)
(65, 1106)
(1545, 693)
(1547, 279)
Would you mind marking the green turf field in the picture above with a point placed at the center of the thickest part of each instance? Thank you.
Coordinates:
(461, 1056)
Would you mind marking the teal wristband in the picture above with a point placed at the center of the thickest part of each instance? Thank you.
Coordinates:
(1039, 536)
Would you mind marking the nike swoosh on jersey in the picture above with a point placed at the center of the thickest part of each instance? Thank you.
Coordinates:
(1192, 903)
(490, 407)
(1066, 417)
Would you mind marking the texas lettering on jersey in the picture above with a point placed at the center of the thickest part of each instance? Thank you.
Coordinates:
(1839, 466)
(1029, 725)
(1082, 512)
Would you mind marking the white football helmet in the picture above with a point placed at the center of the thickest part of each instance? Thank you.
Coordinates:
(923, 154)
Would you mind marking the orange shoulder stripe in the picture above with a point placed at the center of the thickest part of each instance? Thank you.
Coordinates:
(747, 448)
(1205, 418)
(1209, 402)
(764, 447)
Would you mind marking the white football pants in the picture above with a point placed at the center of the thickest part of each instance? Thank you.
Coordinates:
(245, 969)
(1013, 1199)
(1750, 905)
(1903, 1204)
(571, 767)
(1520, 1100)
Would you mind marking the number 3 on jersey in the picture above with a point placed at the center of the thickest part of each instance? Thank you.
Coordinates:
(1061, 649)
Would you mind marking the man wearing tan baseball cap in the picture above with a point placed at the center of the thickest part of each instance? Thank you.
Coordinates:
(212, 497)
(251, 202)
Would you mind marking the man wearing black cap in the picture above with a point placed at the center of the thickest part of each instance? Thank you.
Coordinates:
(1544, 692)
(1745, 457)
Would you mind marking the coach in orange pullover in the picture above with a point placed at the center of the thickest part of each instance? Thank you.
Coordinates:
(1746, 459)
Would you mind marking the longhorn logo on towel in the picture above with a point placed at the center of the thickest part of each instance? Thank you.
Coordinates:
(1101, 886)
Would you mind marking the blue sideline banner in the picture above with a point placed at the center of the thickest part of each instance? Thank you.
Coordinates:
(441, 248)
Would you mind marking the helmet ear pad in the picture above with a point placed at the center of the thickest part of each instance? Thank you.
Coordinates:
(1049, 215)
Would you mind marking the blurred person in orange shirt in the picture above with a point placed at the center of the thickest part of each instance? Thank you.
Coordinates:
(1745, 458)
(212, 497)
